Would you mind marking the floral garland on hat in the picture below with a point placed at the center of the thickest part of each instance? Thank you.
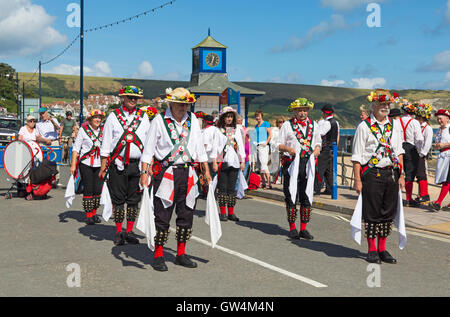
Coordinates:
(131, 91)
(423, 110)
(300, 103)
(383, 97)
(200, 114)
(186, 98)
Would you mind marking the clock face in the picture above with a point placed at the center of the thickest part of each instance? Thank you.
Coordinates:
(212, 59)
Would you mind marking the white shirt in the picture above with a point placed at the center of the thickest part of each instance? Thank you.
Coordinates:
(428, 139)
(365, 143)
(232, 158)
(112, 131)
(413, 133)
(210, 139)
(325, 125)
(83, 145)
(159, 144)
(47, 129)
(27, 136)
(288, 137)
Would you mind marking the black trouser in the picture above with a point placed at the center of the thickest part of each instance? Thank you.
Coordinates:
(410, 161)
(124, 185)
(163, 215)
(92, 185)
(421, 174)
(324, 170)
(379, 200)
(226, 184)
(302, 181)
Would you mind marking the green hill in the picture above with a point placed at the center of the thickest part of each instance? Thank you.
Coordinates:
(274, 103)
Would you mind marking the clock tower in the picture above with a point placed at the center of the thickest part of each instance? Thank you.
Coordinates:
(208, 58)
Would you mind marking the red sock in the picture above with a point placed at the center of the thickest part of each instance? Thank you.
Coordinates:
(180, 248)
(118, 227)
(223, 210)
(292, 226)
(302, 226)
(94, 212)
(88, 214)
(130, 225)
(158, 251)
(409, 189)
(444, 191)
(230, 211)
(372, 244)
(423, 188)
(381, 244)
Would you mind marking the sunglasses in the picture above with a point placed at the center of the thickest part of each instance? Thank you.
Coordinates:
(133, 98)
(32, 120)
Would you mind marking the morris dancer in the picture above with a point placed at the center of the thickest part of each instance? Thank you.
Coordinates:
(124, 132)
(175, 144)
(423, 114)
(298, 136)
(442, 144)
(412, 142)
(86, 150)
(230, 160)
(377, 162)
(210, 139)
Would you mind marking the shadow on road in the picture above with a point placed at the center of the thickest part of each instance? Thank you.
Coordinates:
(268, 228)
(78, 215)
(330, 249)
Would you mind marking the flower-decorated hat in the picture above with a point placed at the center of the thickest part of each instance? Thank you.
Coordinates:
(180, 95)
(227, 109)
(442, 112)
(132, 91)
(151, 112)
(200, 114)
(96, 112)
(301, 103)
(383, 95)
(408, 107)
(423, 110)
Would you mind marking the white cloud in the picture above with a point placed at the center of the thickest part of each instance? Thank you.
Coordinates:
(101, 69)
(332, 83)
(316, 33)
(26, 29)
(441, 63)
(145, 70)
(369, 83)
(345, 5)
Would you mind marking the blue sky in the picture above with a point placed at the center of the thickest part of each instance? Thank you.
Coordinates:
(316, 42)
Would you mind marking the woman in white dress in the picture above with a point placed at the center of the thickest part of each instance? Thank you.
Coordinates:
(442, 144)
(28, 132)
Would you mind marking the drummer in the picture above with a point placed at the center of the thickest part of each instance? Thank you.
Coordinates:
(86, 150)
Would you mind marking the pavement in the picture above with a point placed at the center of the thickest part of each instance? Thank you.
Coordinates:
(422, 217)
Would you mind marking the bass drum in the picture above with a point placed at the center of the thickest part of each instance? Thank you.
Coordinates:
(20, 156)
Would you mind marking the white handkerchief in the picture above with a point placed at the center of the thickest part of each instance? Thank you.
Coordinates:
(212, 217)
(105, 200)
(70, 192)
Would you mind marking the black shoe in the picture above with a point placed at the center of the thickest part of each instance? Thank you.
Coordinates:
(386, 257)
(446, 208)
(90, 221)
(305, 235)
(412, 203)
(130, 238)
(96, 219)
(435, 206)
(223, 217)
(233, 217)
(423, 199)
(184, 260)
(293, 234)
(119, 240)
(159, 264)
(373, 257)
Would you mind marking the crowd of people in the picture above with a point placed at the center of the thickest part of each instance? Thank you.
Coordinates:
(179, 154)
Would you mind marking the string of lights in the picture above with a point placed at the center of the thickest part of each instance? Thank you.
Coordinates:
(108, 26)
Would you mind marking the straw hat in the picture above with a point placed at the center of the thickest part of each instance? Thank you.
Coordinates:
(179, 95)
(132, 91)
(301, 103)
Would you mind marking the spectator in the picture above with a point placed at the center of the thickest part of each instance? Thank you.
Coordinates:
(67, 133)
(246, 138)
(28, 131)
(263, 137)
(275, 163)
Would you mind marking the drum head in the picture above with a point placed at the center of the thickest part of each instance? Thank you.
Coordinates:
(17, 159)
(38, 154)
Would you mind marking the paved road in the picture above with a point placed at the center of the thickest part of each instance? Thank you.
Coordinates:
(42, 242)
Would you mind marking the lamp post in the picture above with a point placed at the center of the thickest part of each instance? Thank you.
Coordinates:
(81, 58)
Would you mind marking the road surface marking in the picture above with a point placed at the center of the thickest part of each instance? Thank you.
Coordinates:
(261, 263)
